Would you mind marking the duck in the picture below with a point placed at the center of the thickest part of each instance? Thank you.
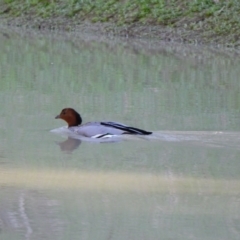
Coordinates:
(96, 129)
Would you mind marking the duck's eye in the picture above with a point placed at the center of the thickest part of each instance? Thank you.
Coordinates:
(63, 112)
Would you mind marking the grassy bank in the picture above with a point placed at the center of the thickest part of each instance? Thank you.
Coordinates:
(215, 21)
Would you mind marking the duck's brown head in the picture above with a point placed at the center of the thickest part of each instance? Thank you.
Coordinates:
(69, 115)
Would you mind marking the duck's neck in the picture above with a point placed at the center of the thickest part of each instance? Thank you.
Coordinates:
(77, 121)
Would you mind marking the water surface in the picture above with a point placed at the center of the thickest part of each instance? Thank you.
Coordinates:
(183, 183)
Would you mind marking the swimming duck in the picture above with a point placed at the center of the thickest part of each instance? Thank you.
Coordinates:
(96, 129)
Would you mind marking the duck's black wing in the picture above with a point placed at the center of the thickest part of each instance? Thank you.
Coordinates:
(126, 129)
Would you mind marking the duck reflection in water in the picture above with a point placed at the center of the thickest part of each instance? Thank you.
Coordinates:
(69, 145)
(72, 144)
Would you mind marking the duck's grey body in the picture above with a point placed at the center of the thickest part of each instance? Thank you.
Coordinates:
(103, 129)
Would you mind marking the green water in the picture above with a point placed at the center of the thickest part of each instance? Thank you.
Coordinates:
(184, 184)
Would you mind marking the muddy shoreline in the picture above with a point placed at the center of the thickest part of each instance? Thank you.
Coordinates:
(129, 31)
(74, 26)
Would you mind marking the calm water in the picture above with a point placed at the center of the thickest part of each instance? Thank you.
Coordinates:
(182, 184)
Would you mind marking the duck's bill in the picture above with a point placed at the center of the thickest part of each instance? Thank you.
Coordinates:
(58, 116)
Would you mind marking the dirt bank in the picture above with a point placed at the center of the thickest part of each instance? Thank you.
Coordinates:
(203, 22)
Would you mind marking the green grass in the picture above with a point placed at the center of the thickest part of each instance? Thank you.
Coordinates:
(207, 18)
